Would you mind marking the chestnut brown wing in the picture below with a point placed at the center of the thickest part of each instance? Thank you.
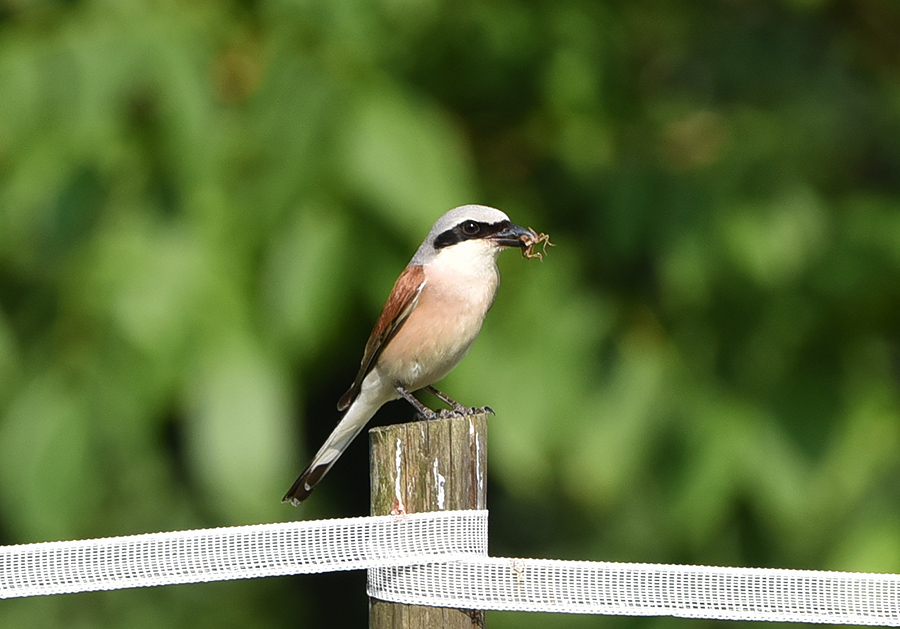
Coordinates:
(400, 303)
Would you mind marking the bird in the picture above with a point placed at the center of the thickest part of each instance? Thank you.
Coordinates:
(429, 321)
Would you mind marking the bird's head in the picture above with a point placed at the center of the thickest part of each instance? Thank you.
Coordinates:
(470, 234)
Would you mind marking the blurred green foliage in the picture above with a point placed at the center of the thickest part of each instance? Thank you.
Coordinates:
(204, 204)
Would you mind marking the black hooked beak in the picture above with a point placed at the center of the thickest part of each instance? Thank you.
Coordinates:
(512, 235)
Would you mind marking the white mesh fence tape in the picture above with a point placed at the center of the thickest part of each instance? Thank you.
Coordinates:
(441, 559)
(583, 587)
(239, 552)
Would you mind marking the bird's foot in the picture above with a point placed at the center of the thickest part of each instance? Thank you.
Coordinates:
(426, 415)
(458, 410)
(423, 413)
(447, 413)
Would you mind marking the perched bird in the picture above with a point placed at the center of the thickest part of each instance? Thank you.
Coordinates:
(429, 322)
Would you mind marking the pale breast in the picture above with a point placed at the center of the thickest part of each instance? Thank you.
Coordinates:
(441, 329)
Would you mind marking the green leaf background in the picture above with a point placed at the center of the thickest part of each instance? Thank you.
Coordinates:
(204, 204)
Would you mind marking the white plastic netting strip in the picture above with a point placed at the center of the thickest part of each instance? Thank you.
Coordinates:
(440, 559)
(240, 552)
(584, 587)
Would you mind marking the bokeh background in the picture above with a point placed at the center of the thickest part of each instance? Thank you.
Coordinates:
(204, 204)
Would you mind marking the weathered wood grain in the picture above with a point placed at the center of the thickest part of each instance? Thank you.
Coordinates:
(437, 465)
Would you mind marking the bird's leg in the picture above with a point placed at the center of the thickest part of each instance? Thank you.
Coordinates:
(423, 411)
(458, 408)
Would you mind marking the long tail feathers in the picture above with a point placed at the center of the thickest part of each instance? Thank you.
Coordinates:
(303, 486)
(350, 425)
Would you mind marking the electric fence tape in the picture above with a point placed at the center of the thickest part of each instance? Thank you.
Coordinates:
(440, 559)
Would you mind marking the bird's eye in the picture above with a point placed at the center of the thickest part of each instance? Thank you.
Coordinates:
(470, 228)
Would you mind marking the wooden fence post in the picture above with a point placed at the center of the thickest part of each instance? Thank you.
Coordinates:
(437, 465)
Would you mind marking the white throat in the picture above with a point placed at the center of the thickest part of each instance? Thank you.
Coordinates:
(471, 259)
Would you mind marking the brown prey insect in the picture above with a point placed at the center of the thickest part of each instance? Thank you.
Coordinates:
(532, 240)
